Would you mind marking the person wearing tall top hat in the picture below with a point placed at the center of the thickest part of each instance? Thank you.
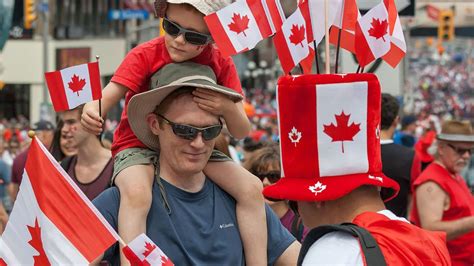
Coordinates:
(331, 167)
(442, 200)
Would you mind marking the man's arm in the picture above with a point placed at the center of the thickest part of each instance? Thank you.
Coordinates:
(430, 202)
(290, 256)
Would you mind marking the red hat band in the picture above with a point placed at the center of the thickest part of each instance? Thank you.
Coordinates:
(330, 136)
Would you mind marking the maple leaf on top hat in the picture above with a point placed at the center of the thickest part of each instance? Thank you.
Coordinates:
(148, 249)
(76, 84)
(37, 244)
(239, 23)
(379, 28)
(297, 34)
(343, 131)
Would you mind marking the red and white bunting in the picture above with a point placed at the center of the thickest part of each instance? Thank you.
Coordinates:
(241, 25)
(52, 222)
(73, 86)
(372, 35)
(290, 42)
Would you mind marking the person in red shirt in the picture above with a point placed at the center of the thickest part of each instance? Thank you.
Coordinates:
(443, 202)
(186, 39)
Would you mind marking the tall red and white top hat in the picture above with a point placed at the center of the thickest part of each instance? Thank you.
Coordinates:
(329, 136)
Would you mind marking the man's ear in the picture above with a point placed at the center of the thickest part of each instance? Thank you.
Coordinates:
(153, 123)
(396, 121)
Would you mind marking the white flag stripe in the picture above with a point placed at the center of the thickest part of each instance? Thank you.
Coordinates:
(378, 46)
(298, 51)
(252, 34)
(85, 95)
(56, 246)
(397, 36)
(80, 193)
(316, 9)
(352, 99)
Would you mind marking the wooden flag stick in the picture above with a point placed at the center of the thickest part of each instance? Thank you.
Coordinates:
(326, 13)
(316, 56)
(358, 69)
(97, 57)
(301, 68)
(339, 38)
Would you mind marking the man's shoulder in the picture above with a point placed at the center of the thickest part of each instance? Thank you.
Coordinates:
(109, 197)
(335, 248)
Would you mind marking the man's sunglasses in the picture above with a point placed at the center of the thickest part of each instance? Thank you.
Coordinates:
(189, 132)
(192, 37)
(460, 151)
(272, 177)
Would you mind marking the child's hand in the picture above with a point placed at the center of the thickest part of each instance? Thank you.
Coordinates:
(90, 119)
(214, 102)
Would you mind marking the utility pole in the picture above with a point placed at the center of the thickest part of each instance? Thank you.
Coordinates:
(45, 109)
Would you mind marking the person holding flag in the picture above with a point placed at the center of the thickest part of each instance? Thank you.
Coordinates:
(186, 38)
(191, 219)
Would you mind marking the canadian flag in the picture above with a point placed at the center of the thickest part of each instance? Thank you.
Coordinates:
(290, 42)
(142, 251)
(240, 26)
(372, 35)
(398, 47)
(73, 86)
(335, 136)
(314, 13)
(345, 22)
(52, 222)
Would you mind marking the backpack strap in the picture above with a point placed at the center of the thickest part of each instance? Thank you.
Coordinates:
(370, 249)
(297, 228)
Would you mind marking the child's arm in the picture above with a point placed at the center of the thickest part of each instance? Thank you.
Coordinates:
(111, 95)
(246, 189)
(234, 114)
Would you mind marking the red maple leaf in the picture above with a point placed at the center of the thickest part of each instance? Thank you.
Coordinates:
(378, 29)
(148, 249)
(239, 24)
(76, 84)
(37, 244)
(342, 132)
(297, 34)
(166, 261)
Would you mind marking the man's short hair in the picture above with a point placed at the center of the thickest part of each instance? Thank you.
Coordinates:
(390, 110)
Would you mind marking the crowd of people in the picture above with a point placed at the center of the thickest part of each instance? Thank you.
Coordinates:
(206, 197)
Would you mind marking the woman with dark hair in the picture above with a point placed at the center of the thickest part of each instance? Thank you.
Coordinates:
(62, 146)
(265, 164)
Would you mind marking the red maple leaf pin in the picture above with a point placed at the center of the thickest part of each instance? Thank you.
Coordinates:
(297, 34)
(148, 249)
(342, 132)
(166, 261)
(76, 84)
(239, 23)
(378, 29)
(37, 244)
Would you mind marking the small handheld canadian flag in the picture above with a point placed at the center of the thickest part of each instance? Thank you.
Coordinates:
(73, 86)
(142, 251)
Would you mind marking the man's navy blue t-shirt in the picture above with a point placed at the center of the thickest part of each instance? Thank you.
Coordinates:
(201, 228)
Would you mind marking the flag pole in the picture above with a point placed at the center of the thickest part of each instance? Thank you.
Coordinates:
(358, 69)
(301, 68)
(97, 57)
(316, 56)
(326, 12)
(339, 38)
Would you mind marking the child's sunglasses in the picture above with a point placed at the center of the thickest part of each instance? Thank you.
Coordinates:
(189, 132)
(190, 36)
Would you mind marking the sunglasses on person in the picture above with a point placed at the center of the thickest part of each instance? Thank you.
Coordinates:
(273, 176)
(192, 37)
(460, 151)
(189, 132)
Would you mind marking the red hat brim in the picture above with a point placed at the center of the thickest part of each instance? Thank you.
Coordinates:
(298, 189)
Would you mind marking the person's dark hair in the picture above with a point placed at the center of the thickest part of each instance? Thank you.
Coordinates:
(55, 148)
(261, 158)
(390, 110)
